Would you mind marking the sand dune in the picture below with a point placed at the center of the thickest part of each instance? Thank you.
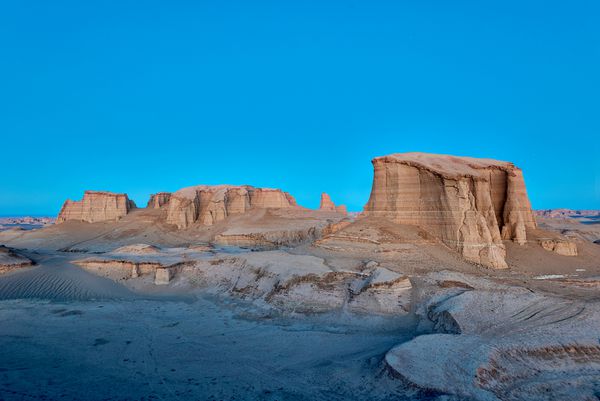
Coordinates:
(62, 282)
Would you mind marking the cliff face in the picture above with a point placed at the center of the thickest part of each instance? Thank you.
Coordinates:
(96, 206)
(470, 204)
(158, 200)
(210, 204)
(327, 204)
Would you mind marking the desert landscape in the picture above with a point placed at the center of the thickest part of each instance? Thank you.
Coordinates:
(446, 286)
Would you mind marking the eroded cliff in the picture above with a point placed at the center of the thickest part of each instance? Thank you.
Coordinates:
(96, 206)
(158, 200)
(470, 204)
(208, 205)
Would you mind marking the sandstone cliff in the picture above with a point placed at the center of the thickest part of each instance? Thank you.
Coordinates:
(327, 204)
(209, 204)
(470, 204)
(158, 200)
(96, 206)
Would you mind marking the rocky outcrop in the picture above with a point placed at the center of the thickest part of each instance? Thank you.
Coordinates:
(566, 213)
(499, 342)
(559, 246)
(208, 205)
(469, 204)
(327, 204)
(11, 260)
(158, 200)
(96, 206)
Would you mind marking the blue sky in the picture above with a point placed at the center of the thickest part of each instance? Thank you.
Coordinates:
(141, 97)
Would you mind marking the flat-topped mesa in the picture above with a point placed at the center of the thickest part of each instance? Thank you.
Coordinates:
(470, 204)
(158, 200)
(208, 205)
(96, 206)
(327, 204)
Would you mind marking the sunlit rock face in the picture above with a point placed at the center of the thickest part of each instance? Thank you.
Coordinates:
(208, 205)
(96, 206)
(158, 200)
(470, 204)
(327, 204)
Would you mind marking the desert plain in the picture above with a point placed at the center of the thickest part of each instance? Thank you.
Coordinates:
(447, 286)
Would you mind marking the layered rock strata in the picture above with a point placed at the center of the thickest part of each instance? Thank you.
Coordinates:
(470, 204)
(96, 206)
(208, 205)
(158, 200)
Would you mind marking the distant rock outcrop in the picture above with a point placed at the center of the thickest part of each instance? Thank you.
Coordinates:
(208, 205)
(470, 204)
(96, 206)
(327, 204)
(566, 213)
(158, 200)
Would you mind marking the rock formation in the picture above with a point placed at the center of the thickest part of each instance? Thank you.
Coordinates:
(158, 200)
(208, 205)
(470, 204)
(11, 260)
(96, 206)
(561, 247)
(327, 204)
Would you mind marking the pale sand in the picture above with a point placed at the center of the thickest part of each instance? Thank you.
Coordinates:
(165, 350)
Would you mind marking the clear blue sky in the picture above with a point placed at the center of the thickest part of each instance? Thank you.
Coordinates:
(150, 96)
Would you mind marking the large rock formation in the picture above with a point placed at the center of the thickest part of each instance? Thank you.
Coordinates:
(209, 204)
(96, 206)
(158, 200)
(327, 204)
(470, 204)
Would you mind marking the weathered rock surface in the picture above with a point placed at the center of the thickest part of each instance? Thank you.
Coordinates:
(11, 260)
(327, 204)
(96, 206)
(470, 204)
(158, 200)
(300, 283)
(559, 246)
(208, 205)
(497, 342)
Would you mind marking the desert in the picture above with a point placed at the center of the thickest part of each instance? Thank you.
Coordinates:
(299, 200)
(446, 286)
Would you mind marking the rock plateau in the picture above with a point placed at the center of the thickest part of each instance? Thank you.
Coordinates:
(96, 206)
(470, 204)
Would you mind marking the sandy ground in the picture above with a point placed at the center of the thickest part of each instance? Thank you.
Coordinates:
(168, 350)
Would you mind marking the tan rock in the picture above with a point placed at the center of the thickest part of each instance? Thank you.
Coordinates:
(559, 246)
(208, 205)
(470, 204)
(162, 276)
(158, 200)
(96, 206)
(327, 204)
